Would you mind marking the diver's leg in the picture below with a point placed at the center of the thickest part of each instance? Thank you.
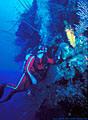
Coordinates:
(20, 83)
(28, 69)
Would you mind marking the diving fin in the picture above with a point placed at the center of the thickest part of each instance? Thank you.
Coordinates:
(2, 86)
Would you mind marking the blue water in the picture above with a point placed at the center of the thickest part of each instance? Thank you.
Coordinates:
(9, 70)
(9, 14)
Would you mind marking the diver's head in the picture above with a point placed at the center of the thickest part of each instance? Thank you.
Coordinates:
(41, 51)
(40, 55)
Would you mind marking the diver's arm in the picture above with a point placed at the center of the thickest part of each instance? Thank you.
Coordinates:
(50, 60)
(21, 82)
(55, 60)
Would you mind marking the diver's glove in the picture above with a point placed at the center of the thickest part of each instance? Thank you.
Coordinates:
(28, 91)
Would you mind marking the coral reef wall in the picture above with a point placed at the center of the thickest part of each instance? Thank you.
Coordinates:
(41, 24)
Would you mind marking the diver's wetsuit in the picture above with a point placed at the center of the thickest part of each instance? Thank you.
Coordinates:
(29, 69)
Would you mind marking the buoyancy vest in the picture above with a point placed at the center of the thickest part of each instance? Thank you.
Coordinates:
(40, 64)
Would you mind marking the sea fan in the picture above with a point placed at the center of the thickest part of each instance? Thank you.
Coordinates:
(82, 12)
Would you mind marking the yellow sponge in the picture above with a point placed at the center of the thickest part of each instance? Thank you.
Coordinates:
(70, 36)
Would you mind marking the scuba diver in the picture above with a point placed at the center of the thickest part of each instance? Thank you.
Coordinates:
(35, 69)
(54, 46)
